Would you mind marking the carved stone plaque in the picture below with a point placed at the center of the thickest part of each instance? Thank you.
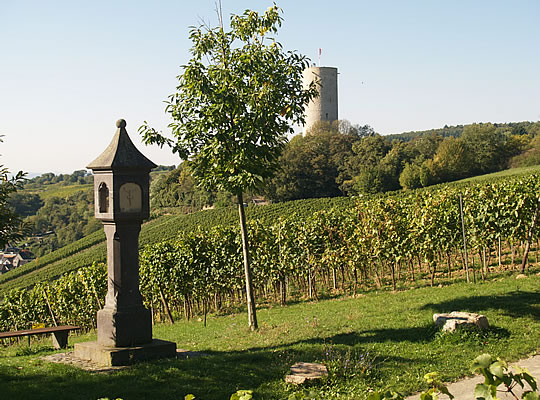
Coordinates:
(130, 198)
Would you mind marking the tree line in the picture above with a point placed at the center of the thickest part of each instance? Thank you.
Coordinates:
(342, 159)
(332, 161)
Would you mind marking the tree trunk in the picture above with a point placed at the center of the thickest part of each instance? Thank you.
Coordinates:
(393, 272)
(411, 264)
(205, 311)
(283, 292)
(252, 314)
(499, 252)
(355, 281)
(513, 256)
(449, 261)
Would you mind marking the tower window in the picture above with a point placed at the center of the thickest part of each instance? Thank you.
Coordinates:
(327, 116)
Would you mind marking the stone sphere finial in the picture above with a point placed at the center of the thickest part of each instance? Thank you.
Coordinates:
(121, 123)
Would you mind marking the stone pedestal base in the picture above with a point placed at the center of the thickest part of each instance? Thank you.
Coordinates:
(113, 356)
(124, 328)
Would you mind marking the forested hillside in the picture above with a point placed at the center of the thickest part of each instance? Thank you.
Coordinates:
(340, 159)
(58, 209)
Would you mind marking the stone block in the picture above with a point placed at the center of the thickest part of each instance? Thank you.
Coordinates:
(459, 319)
(124, 328)
(114, 356)
(60, 339)
(302, 372)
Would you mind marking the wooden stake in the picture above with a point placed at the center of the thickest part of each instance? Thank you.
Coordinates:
(529, 237)
(464, 237)
(49, 306)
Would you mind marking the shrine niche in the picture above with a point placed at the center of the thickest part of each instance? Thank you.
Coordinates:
(103, 198)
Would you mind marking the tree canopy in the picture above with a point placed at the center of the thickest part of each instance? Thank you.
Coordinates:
(10, 221)
(236, 101)
(234, 105)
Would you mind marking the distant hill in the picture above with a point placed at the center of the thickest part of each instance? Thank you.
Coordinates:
(516, 128)
(59, 209)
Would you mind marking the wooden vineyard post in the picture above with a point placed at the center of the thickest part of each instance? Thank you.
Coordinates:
(464, 237)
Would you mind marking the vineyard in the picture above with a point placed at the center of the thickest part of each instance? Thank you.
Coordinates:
(90, 249)
(191, 265)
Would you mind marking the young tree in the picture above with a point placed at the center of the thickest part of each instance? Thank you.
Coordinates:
(233, 107)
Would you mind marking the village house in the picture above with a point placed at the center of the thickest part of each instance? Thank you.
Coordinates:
(13, 257)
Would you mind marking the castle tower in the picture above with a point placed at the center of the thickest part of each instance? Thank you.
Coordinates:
(325, 106)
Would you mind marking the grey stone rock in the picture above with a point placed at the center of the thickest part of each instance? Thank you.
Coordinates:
(459, 319)
(302, 372)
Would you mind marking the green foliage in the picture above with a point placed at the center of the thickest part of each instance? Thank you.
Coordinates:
(25, 204)
(380, 164)
(531, 155)
(436, 388)
(179, 189)
(76, 255)
(242, 395)
(81, 177)
(73, 299)
(310, 166)
(487, 143)
(496, 373)
(368, 236)
(11, 227)
(344, 364)
(64, 219)
(234, 101)
(92, 248)
(305, 394)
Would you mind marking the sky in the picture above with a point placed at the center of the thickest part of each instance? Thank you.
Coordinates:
(70, 69)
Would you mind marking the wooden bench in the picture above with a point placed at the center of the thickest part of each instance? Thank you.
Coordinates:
(59, 334)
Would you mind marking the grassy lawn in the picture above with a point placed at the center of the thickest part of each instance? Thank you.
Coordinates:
(535, 169)
(387, 338)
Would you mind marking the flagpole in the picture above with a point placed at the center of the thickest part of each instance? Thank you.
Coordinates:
(320, 51)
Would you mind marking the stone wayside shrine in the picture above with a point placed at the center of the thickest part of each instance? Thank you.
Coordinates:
(121, 194)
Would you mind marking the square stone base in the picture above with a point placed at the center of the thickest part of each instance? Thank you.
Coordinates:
(126, 328)
(112, 356)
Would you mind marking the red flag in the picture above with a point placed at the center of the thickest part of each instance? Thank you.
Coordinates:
(320, 51)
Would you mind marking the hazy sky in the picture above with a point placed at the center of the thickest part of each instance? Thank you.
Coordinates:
(70, 69)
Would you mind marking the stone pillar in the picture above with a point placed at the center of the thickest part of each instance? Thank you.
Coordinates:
(123, 321)
(121, 192)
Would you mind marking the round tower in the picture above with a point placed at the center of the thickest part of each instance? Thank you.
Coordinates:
(325, 106)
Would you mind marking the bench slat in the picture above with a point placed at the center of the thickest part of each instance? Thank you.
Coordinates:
(38, 331)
